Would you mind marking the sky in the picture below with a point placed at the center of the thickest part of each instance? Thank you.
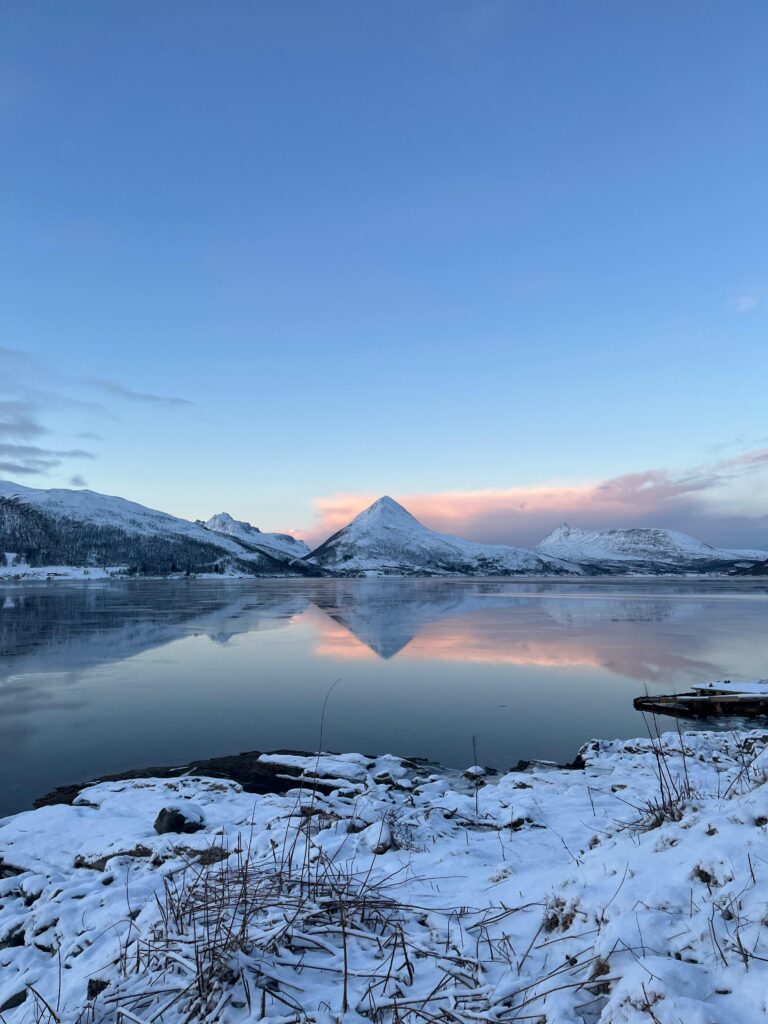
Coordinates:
(504, 261)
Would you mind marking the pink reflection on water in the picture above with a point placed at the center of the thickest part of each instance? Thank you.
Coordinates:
(632, 649)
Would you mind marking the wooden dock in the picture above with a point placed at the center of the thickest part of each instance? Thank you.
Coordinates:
(710, 699)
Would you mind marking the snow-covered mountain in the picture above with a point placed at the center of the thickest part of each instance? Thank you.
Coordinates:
(385, 539)
(283, 542)
(75, 529)
(648, 546)
(60, 527)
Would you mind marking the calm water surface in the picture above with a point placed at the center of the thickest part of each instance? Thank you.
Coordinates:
(102, 677)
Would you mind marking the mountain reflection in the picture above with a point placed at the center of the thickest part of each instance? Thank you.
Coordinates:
(480, 624)
(642, 636)
(104, 677)
(64, 627)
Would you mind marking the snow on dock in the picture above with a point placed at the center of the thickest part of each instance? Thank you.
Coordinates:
(726, 686)
(710, 699)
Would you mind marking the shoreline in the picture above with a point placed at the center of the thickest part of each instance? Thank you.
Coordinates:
(641, 579)
(636, 883)
(265, 772)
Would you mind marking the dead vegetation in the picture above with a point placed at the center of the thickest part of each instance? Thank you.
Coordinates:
(305, 937)
(315, 928)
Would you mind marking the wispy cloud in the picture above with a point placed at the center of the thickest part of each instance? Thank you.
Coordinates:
(25, 468)
(31, 459)
(119, 390)
(703, 499)
(745, 303)
(23, 403)
(18, 419)
(78, 481)
(732, 442)
(31, 451)
(30, 390)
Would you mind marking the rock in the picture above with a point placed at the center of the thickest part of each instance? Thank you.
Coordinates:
(247, 769)
(207, 856)
(14, 1001)
(9, 870)
(179, 819)
(96, 986)
(15, 937)
(377, 837)
(100, 863)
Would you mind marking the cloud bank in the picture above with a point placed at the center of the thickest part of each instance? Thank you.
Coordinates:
(723, 503)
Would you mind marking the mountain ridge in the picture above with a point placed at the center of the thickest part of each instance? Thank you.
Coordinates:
(386, 539)
(62, 527)
(223, 523)
(654, 544)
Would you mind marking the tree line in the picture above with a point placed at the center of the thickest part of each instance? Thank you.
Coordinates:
(38, 540)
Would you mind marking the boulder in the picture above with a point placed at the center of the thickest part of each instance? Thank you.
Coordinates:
(179, 819)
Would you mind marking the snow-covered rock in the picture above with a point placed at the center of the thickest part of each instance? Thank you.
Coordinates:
(186, 818)
(385, 539)
(252, 536)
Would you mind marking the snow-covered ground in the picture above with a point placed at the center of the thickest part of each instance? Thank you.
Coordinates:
(634, 891)
(22, 572)
(14, 570)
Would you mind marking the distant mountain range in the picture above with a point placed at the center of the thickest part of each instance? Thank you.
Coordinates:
(55, 529)
(643, 550)
(75, 533)
(386, 539)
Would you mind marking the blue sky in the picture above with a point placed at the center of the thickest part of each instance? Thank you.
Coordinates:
(438, 250)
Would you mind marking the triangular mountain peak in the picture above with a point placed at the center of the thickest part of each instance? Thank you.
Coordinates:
(386, 509)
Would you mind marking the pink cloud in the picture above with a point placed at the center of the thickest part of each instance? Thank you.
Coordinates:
(524, 515)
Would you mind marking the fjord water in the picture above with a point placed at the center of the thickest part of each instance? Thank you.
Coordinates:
(103, 677)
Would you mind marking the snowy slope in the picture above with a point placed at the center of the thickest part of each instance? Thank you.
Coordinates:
(567, 897)
(386, 539)
(58, 515)
(223, 523)
(78, 528)
(99, 509)
(637, 545)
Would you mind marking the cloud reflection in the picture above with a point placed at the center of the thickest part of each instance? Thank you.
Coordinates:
(640, 638)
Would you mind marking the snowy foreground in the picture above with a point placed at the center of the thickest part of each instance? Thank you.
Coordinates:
(634, 891)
